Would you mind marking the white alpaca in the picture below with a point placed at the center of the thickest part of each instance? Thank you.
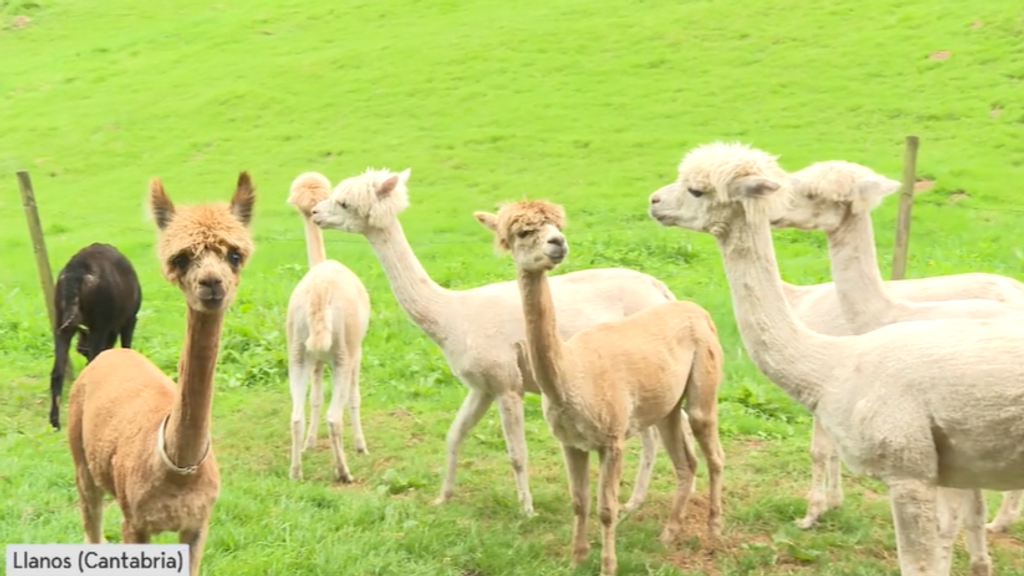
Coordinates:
(837, 197)
(919, 405)
(612, 380)
(477, 329)
(328, 315)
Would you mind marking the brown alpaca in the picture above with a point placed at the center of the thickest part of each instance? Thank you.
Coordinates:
(613, 380)
(133, 432)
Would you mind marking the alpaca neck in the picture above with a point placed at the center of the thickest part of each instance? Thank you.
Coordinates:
(863, 300)
(783, 349)
(422, 299)
(314, 242)
(547, 356)
(187, 435)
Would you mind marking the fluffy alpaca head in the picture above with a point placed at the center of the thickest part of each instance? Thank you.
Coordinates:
(824, 194)
(531, 230)
(203, 248)
(370, 201)
(719, 183)
(307, 190)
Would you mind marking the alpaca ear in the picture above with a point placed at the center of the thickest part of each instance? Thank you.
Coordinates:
(753, 187)
(243, 200)
(160, 206)
(388, 186)
(877, 186)
(490, 221)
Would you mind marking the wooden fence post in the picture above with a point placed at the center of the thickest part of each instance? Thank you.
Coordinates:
(35, 230)
(899, 254)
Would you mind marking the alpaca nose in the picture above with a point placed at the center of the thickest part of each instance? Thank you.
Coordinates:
(655, 199)
(212, 288)
(557, 241)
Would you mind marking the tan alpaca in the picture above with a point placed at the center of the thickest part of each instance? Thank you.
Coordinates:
(609, 381)
(919, 405)
(837, 197)
(477, 328)
(328, 315)
(135, 433)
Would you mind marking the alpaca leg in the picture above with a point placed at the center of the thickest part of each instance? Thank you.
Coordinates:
(196, 540)
(61, 345)
(128, 332)
(1009, 512)
(316, 400)
(90, 499)
(648, 451)
(917, 539)
(340, 375)
(684, 461)
(833, 477)
(298, 376)
(97, 342)
(817, 501)
(510, 407)
(579, 488)
(608, 503)
(704, 423)
(949, 508)
(974, 524)
(354, 401)
(472, 410)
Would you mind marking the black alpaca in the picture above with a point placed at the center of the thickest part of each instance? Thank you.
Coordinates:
(98, 296)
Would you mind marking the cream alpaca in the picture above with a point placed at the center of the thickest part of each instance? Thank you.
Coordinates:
(132, 431)
(892, 399)
(837, 197)
(328, 315)
(476, 329)
(611, 380)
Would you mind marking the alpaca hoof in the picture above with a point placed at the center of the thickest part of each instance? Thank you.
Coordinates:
(528, 511)
(981, 568)
(362, 449)
(296, 474)
(997, 526)
(309, 444)
(609, 567)
(344, 477)
(668, 535)
(834, 500)
(628, 508)
(579, 554)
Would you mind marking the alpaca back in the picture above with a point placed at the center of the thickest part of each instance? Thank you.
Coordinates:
(329, 308)
(638, 368)
(99, 288)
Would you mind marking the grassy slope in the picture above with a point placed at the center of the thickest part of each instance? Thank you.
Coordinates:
(590, 107)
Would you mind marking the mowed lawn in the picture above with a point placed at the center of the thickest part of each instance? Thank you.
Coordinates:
(587, 104)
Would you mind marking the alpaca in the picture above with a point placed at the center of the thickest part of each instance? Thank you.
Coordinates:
(837, 197)
(133, 432)
(97, 296)
(613, 379)
(477, 329)
(328, 315)
(919, 405)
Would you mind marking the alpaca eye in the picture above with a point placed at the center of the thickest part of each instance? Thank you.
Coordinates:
(695, 193)
(344, 205)
(523, 233)
(234, 258)
(180, 261)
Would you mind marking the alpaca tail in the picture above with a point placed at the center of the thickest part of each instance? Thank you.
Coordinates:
(321, 319)
(69, 284)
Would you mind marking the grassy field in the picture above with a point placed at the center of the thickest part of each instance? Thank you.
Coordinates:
(586, 104)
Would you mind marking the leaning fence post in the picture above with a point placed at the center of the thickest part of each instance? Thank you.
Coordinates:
(35, 230)
(899, 254)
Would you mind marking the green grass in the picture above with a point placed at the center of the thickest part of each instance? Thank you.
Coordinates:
(587, 104)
